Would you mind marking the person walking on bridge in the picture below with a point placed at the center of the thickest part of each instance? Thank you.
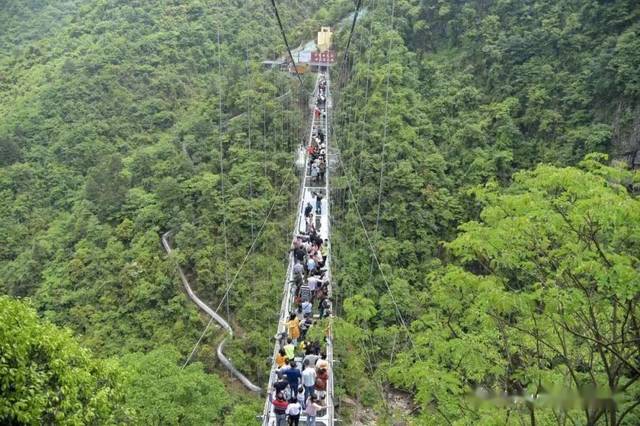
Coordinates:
(298, 270)
(289, 349)
(281, 385)
(293, 327)
(293, 376)
(311, 410)
(281, 358)
(312, 355)
(322, 170)
(305, 325)
(305, 308)
(293, 411)
(308, 378)
(299, 253)
(318, 196)
(321, 381)
(322, 362)
(279, 408)
(305, 293)
(311, 265)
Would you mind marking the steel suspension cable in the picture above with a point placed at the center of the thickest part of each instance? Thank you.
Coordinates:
(386, 116)
(342, 80)
(282, 124)
(230, 285)
(264, 137)
(253, 244)
(366, 233)
(244, 261)
(284, 37)
(221, 149)
(362, 116)
(346, 50)
(373, 251)
(355, 201)
(384, 131)
(367, 86)
(344, 65)
(353, 25)
(193, 351)
(248, 107)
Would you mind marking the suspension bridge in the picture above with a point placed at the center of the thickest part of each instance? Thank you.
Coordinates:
(310, 187)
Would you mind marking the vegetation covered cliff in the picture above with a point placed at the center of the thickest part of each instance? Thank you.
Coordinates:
(508, 250)
(486, 145)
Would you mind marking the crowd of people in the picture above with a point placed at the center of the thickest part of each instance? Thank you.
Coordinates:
(317, 149)
(302, 389)
(302, 368)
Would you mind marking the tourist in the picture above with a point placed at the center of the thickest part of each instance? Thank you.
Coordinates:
(311, 410)
(322, 377)
(290, 349)
(293, 327)
(308, 379)
(281, 358)
(279, 408)
(293, 411)
(293, 376)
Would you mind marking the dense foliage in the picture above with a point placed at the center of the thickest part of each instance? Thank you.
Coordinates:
(161, 392)
(467, 132)
(47, 378)
(120, 121)
(508, 283)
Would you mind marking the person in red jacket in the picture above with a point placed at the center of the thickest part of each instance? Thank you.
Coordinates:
(321, 382)
(279, 408)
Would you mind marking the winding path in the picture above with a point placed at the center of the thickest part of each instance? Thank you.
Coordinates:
(216, 317)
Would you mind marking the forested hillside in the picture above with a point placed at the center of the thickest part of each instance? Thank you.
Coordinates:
(120, 121)
(508, 251)
(486, 221)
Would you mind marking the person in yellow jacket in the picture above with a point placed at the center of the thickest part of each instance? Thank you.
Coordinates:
(281, 358)
(293, 327)
(289, 349)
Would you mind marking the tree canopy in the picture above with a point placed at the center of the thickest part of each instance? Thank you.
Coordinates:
(162, 393)
(47, 378)
(489, 147)
(468, 136)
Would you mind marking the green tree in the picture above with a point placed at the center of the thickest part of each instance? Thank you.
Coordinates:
(162, 393)
(543, 302)
(106, 186)
(47, 378)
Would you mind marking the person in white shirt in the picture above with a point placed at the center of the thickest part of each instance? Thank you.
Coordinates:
(293, 411)
(300, 396)
(312, 282)
(308, 379)
(306, 307)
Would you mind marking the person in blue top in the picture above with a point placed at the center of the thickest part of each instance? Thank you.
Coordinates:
(293, 376)
(318, 202)
(311, 265)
